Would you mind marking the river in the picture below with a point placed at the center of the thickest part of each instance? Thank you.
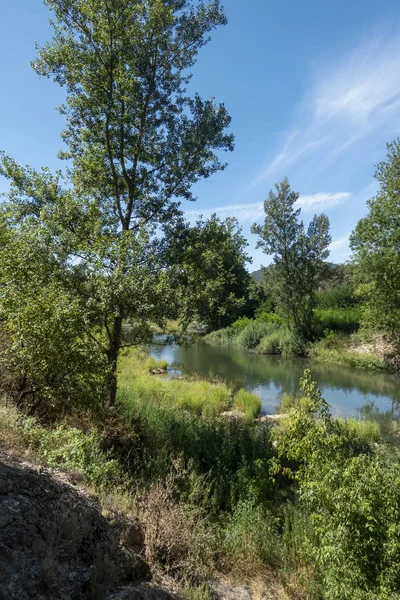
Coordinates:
(345, 389)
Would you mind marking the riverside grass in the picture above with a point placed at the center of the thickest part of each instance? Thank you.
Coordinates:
(264, 337)
(201, 397)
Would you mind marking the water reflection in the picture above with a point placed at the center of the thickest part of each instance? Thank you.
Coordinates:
(346, 390)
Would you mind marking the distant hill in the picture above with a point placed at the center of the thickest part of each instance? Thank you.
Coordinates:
(336, 275)
(257, 275)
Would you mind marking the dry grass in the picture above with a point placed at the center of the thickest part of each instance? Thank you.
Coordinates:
(179, 539)
(12, 431)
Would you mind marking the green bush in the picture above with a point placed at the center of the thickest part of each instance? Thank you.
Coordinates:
(344, 320)
(356, 514)
(251, 335)
(240, 324)
(293, 345)
(223, 336)
(352, 493)
(75, 450)
(275, 342)
(340, 296)
(62, 447)
(269, 317)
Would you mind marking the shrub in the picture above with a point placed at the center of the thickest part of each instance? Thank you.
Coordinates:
(250, 337)
(340, 296)
(240, 324)
(223, 336)
(62, 447)
(293, 345)
(345, 320)
(365, 429)
(269, 317)
(355, 514)
(352, 493)
(274, 342)
(233, 453)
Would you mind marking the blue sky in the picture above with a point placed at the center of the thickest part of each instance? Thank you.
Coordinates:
(313, 89)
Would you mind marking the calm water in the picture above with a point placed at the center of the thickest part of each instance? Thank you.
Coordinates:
(346, 390)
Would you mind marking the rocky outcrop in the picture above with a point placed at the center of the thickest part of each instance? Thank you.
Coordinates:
(54, 541)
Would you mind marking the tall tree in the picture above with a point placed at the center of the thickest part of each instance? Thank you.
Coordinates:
(376, 246)
(298, 256)
(136, 142)
(212, 281)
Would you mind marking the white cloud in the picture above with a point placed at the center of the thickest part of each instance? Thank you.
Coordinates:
(341, 244)
(253, 212)
(356, 99)
(322, 201)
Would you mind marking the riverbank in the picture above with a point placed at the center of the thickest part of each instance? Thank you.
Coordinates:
(358, 350)
(237, 500)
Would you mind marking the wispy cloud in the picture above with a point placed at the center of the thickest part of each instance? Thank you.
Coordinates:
(340, 248)
(253, 212)
(357, 98)
(340, 244)
(322, 201)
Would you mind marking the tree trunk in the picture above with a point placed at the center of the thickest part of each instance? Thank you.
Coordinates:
(113, 353)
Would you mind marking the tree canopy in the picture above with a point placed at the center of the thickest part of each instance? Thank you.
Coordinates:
(211, 276)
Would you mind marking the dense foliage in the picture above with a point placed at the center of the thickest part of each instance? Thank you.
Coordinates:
(212, 283)
(375, 243)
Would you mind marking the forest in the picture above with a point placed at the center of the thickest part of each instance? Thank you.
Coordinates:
(98, 258)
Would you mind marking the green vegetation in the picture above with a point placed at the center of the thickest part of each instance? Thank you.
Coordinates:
(211, 278)
(264, 336)
(343, 320)
(200, 398)
(136, 143)
(312, 503)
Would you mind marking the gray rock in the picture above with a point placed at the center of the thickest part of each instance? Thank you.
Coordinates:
(220, 591)
(141, 592)
(54, 541)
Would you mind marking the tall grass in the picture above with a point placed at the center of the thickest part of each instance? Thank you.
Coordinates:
(248, 403)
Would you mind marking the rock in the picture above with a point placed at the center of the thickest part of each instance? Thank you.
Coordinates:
(270, 418)
(233, 414)
(54, 541)
(141, 592)
(220, 591)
